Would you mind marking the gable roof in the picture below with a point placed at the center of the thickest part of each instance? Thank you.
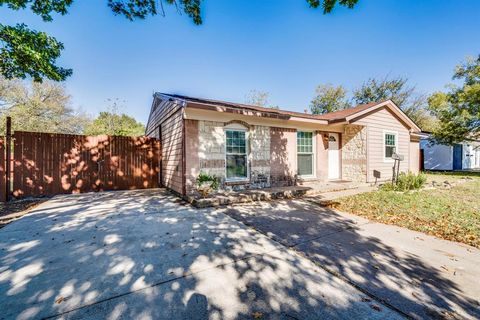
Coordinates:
(341, 115)
(355, 113)
(346, 115)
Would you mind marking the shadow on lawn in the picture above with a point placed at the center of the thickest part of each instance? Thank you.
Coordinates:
(138, 254)
(401, 279)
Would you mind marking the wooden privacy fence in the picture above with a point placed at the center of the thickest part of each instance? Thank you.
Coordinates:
(46, 164)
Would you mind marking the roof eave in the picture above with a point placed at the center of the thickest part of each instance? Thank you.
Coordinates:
(216, 108)
(309, 120)
(163, 96)
(338, 121)
(247, 112)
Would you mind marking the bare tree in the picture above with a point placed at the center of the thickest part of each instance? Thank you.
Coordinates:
(41, 107)
(259, 98)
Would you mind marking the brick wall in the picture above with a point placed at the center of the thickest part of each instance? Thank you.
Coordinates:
(354, 153)
(211, 148)
(283, 162)
(260, 156)
(272, 157)
(272, 154)
(192, 163)
(211, 152)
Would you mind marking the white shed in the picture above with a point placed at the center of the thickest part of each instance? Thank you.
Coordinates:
(462, 156)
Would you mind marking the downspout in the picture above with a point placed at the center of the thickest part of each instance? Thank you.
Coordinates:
(184, 154)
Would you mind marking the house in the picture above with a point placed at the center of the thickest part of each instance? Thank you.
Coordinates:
(254, 147)
(460, 156)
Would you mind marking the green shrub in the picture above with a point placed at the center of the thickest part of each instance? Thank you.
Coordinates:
(388, 186)
(206, 183)
(406, 181)
(204, 177)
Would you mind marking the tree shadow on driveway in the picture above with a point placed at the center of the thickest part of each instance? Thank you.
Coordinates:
(338, 243)
(139, 254)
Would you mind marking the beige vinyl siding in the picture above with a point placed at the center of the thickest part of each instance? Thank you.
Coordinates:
(377, 124)
(168, 117)
(414, 156)
(322, 156)
(161, 110)
(172, 152)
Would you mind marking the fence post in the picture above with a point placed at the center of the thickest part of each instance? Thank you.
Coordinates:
(8, 150)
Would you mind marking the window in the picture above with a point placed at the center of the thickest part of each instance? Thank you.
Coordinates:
(390, 144)
(305, 153)
(236, 160)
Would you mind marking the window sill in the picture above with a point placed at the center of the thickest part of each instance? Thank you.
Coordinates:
(236, 182)
(306, 178)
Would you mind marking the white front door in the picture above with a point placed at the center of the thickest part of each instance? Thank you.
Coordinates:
(333, 156)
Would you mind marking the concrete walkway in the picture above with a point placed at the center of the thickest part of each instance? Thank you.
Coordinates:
(141, 255)
(419, 275)
(326, 197)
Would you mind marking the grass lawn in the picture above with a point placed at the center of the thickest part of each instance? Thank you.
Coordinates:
(452, 214)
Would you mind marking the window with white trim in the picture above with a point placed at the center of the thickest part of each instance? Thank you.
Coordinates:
(305, 154)
(390, 144)
(236, 154)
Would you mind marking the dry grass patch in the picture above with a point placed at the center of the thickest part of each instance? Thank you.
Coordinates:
(13, 210)
(452, 214)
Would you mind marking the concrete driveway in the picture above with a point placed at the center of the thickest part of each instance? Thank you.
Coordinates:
(419, 275)
(140, 254)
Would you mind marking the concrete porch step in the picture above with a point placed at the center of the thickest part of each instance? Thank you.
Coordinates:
(311, 191)
(232, 197)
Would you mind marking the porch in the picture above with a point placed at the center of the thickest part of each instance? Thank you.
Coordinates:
(223, 197)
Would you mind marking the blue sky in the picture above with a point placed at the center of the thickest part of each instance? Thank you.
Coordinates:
(279, 46)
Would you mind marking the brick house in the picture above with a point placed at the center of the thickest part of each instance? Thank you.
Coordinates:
(254, 147)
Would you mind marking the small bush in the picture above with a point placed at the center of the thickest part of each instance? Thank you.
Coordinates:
(388, 186)
(205, 178)
(405, 182)
(206, 183)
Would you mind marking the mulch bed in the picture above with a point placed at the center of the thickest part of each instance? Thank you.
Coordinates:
(15, 209)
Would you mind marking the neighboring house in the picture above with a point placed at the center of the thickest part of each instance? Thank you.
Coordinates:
(254, 147)
(460, 156)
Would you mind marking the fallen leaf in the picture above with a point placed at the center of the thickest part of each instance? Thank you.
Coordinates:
(375, 307)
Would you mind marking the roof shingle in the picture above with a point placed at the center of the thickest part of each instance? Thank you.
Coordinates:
(342, 114)
(330, 117)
